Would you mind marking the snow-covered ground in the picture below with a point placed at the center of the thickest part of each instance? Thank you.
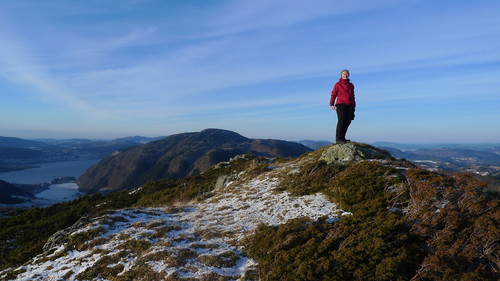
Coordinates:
(197, 240)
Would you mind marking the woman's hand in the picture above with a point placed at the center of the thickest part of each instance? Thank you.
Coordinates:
(333, 107)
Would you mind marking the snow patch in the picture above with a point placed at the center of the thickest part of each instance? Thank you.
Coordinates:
(191, 242)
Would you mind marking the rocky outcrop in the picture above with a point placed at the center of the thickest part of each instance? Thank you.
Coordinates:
(351, 152)
(61, 236)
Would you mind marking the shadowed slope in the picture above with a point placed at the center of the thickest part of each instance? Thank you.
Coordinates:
(177, 156)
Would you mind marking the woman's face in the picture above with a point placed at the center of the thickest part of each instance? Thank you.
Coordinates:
(345, 75)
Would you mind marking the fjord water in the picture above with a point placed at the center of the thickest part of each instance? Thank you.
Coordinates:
(45, 174)
(48, 171)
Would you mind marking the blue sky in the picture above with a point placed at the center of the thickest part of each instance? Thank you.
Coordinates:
(424, 71)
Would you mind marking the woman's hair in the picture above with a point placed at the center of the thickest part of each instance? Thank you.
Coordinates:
(344, 70)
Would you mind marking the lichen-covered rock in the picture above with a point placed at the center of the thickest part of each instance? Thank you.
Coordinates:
(61, 236)
(222, 181)
(350, 152)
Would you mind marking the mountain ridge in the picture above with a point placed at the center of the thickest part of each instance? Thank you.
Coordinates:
(343, 211)
(177, 156)
(17, 142)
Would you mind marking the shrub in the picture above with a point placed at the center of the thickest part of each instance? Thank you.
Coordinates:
(351, 249)
(459, 224)
(445, 229)
(162, 192)
(366, 188)
(134, 245)
(312, 177)
(23, 236)
(83, 240)
(225, 259)
(101, 267)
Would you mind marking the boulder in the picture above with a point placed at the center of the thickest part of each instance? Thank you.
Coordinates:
(351, 152)
(61, 236)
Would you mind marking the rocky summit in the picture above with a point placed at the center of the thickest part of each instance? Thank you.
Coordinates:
(351, 152)
(342, 212)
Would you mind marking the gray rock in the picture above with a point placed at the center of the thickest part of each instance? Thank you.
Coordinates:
(61, 236)
(222, 181)
(350, 152)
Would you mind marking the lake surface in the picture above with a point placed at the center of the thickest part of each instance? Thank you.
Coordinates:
(55, 193)
(48, 171)
(60, 192)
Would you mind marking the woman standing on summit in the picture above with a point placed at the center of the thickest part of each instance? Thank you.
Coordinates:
(342, 100)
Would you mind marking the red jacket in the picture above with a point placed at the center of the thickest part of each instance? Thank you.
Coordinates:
(343, 92)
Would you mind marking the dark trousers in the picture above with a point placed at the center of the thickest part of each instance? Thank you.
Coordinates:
(345, 113)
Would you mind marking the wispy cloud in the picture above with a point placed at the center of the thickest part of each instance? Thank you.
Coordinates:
(124, 61)
(18, 67)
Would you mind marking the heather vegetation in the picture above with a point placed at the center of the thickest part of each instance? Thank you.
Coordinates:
(163, 192)
(23, 236)
(406, 224)
(312, 177)
(400, 223)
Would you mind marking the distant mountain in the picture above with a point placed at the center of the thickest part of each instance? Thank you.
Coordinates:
(16, 153)
(130, 139)
(17, 158)
(416, 146)
(19, 153)
(138, 139)
(177, 156)
(314, 144)
(18, 143)
(485, 163)
(495, 150)
(451, 155)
